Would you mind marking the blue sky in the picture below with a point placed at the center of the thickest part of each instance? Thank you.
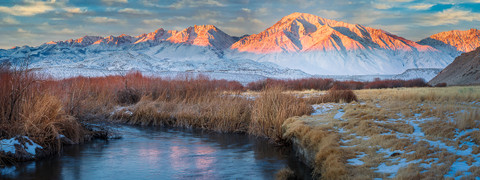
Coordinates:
(33, 22)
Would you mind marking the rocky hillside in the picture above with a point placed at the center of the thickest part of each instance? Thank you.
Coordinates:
(464, 70)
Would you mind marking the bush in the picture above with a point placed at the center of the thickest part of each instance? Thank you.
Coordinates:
(340, 94)
(128, 96)
(441, 85)
(395, 83)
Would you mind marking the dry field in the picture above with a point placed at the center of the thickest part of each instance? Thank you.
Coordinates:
(404, 133)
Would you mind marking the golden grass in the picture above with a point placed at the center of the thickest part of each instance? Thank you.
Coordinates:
(322, 144)
(44, 121)
(271, 109)
(382, 119)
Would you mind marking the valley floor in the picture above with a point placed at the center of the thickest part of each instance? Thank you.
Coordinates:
(406, 133)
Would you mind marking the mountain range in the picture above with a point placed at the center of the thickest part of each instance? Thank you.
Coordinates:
(299, 45)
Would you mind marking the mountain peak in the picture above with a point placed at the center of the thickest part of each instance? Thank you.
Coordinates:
(203, 35)
(205, 27)
(298, 14)
(464, 41)
(301, 32)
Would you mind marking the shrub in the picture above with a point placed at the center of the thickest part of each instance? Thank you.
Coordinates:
(340, 94)
(128, 96)
(441, 85)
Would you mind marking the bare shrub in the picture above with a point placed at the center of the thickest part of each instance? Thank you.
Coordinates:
(338, 94)
(441, 85)
(128, 96)
(335, 94)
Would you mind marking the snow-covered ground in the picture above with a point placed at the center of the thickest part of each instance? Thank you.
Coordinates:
(7, 146)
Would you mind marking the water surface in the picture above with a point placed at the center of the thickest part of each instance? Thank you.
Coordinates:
(164, 153)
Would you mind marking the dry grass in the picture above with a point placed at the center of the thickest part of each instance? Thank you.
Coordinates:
(44, 121)
(29, 109)
(285, 174)
(320, 143)
(220, 112)
(270, 111)
(382, 121)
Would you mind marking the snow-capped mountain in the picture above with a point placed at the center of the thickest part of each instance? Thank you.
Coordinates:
(204, 35)
(461, 41)
(322, 46)
(296, 44)
(197, 49)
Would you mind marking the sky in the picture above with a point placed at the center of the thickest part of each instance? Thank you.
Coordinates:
(33, 22)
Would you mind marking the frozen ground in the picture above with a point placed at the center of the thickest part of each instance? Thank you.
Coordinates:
(459, 156)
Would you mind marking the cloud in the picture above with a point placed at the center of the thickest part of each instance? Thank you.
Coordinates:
(29, 9)
(395, 29)
(400, 1)
(196, 3)
(420, 6)
(104, 20)
(261, 11)
(205, 15)
(134, 11)
(9, 20)
(110, 2)
(246, 10)
(331, 14)
(450, 16)
(64, 31)
(32, 8)
(75, 10)
(257, 22)
(24, 33)
(153, 21)
(20, 30)
(382, 6)
(238, 20)
(234, 30)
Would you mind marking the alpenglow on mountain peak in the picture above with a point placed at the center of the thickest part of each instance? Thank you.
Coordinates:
(302, 32)
(199, 35)
(300, 41)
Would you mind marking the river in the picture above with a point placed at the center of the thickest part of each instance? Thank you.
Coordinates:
(165, 153)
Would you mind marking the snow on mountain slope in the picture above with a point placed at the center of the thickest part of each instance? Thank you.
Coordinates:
(425, 73)
(105, 58)
(296, 44)
(322, 46)
(461, 41)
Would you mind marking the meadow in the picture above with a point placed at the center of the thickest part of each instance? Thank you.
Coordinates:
(399, 133)
(394, 132)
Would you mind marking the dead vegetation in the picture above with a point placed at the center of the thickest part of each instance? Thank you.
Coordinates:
(413, 130)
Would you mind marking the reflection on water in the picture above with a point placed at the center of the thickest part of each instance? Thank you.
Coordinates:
(165, 153)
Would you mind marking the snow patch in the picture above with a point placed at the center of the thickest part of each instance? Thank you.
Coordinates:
(322, 108)
(356, 161)
(8, 145)
(339, 114)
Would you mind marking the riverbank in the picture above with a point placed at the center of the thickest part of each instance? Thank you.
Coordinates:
(53, 113)
(406, 133)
